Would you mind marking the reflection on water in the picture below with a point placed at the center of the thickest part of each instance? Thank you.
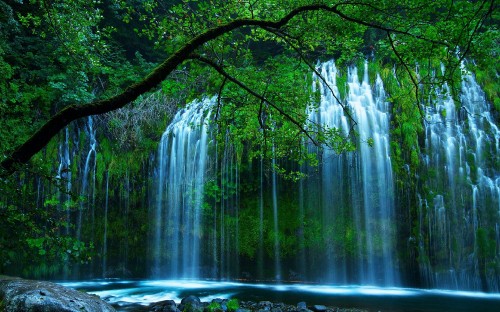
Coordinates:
(134, 294)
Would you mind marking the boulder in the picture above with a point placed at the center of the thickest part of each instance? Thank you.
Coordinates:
(164, 306)
(319, 308)
(191, 304)
(301, 305)
(191, 300)
(19, 295)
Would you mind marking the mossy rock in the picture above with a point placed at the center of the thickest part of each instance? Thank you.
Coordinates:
(19, 295)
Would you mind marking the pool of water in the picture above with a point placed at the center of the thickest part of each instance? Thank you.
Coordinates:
(135, 295)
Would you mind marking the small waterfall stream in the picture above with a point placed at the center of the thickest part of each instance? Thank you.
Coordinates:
(182, 162)
(462, 209)
(105, 234)
(356, 189)
(64, 173)
(277, 257)
(88, 191)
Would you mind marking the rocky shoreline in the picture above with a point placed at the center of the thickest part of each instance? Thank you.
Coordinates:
(19, 295)
(194, 304)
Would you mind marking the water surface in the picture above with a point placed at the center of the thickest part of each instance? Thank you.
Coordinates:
(135, 295)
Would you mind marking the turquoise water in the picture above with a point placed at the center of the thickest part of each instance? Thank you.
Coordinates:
(135, 295)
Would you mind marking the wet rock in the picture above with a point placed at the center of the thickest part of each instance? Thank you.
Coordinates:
(301, 305)
(191, 304)
(265, 305)
(18, 295)
(319, 308)
(164, 306)
(191, 300)
(259, 307)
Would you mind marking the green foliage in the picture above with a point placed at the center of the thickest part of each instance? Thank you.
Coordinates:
(233, 305)
(407, 122)
(214, 306)
(488, 80)
(31, 238)
(486, 243)
(58, 53)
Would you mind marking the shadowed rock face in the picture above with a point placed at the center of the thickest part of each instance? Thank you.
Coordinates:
(18, 295)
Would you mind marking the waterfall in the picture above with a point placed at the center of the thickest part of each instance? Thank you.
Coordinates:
(64, 173)
(228, 223)
(182, 158)
(356, 193)
(462, 179)
(260, 255)
(345, 209)
(105, 234)
(86, 191)
(371, 112)
(277, 257)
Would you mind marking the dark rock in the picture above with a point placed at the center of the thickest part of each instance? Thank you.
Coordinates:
(264, 306)
(191, 299)
(319, 308)
(191, 304)
(265, 303)
(242, 310)
(164, 306)
(18, 295)
(301, 305)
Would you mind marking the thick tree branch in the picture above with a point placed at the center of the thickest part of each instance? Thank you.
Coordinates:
(70, 113)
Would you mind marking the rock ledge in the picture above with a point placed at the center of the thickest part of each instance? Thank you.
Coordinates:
(18, 295)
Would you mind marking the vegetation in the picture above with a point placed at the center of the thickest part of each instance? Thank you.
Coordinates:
(218, 40)
(126, 67)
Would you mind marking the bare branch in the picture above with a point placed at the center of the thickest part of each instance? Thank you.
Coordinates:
(219, 103)
(221, 71)
(413, 80)
(316, 72)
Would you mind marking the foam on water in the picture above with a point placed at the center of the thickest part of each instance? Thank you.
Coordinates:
(149, 291)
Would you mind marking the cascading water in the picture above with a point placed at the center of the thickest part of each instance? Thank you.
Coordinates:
(229, 210)
(460, 212)
(105, 234)
(277, 257)
(88, 192)
(346, 206)
(181, 171)
(260, 254)
(355, 190)
(64, 173)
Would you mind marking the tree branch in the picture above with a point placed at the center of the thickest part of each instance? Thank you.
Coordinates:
(240, 84)
(413, 80)
(70, 113)
(317, 73)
